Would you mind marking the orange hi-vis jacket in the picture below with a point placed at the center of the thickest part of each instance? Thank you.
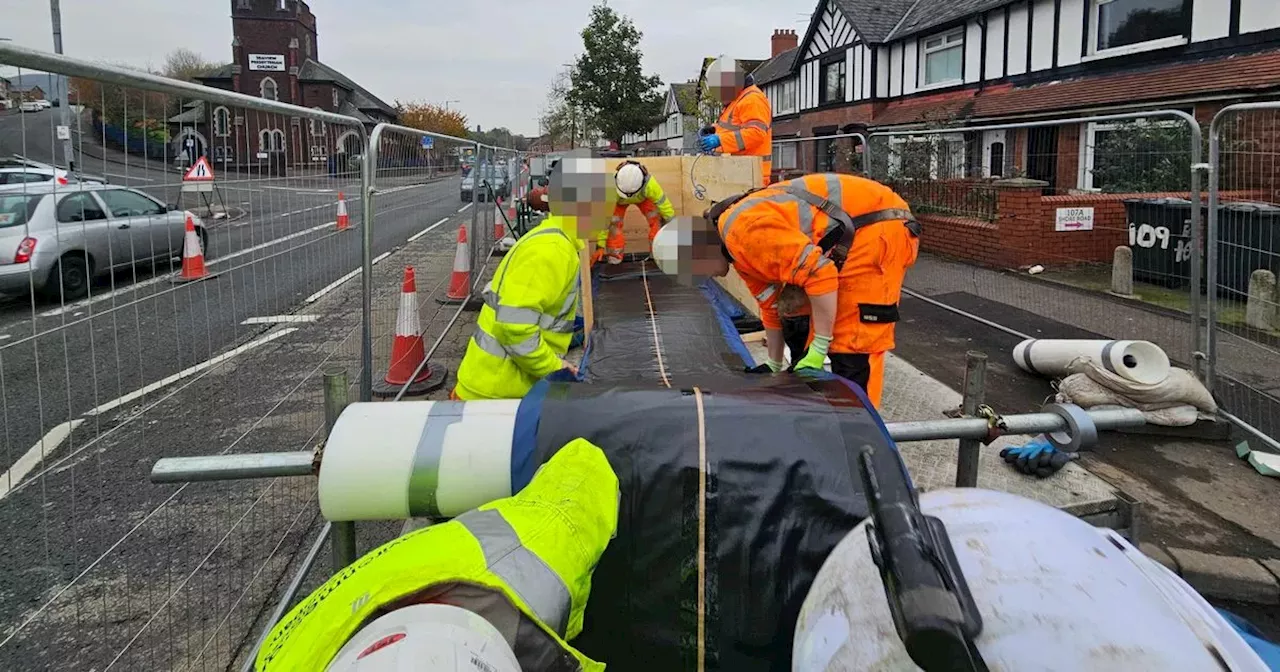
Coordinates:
(745, 127)
(772, 236)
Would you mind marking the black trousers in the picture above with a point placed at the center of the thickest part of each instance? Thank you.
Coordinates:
(854, 367)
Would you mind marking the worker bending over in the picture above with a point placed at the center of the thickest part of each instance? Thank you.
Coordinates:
(505, 585)
(527, 322)
(635, 187)
(847, 241)
(745, 127)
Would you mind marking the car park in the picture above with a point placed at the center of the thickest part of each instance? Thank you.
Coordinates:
(56, 240)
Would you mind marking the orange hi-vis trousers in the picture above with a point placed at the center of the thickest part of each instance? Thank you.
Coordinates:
(616, 243)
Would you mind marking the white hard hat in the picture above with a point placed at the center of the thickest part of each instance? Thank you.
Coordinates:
(426, 638)
(630, 179)
(670, 244)
(1054, 593)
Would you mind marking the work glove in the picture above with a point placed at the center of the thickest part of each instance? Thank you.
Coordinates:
(816, 356)
(1037, 458)
(710, 143)
(770, 366)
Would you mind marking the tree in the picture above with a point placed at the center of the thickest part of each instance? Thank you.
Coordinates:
(500, 137)
(433, 118)
(186, 65)
(563, 118)
(608, 81)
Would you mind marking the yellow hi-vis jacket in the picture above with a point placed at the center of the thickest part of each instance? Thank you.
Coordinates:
(651, 192)
(526, 323)
(523, 563)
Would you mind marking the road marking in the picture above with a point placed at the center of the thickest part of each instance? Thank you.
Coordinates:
(353, 199)
(464, 207)
(188, 372)
(302, 190)
(33, 457)
(427, 230)
(129, 177)
(165, 277)
(338, 283)
(281, 319)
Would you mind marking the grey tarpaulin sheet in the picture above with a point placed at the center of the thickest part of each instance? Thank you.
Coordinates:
(780, 494)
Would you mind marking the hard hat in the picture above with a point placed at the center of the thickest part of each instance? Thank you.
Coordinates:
(667, 245)
(426, 637)
(1054, 593)
(629, 178)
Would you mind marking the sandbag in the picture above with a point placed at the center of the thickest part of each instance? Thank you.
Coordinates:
(1178, 388)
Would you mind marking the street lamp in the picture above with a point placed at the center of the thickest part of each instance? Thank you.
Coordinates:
(446, 103)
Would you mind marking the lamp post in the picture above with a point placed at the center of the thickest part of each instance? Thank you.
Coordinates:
(55, 12)
(446, 104)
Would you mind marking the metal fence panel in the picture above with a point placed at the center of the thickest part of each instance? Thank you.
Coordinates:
(107, 362)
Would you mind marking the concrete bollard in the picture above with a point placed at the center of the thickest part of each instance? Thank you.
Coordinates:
(1122, 272)
(1260, 308)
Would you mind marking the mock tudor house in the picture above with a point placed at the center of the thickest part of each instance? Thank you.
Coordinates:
(678, 129)
(885, 65)
(276, 55)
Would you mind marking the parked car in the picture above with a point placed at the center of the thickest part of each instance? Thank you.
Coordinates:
(57, 240)
(495, 177)
(30, 106)
(15, 177)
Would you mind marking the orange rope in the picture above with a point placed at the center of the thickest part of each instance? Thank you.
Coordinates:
(653, 320)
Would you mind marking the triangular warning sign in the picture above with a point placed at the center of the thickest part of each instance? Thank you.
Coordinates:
(200, 172)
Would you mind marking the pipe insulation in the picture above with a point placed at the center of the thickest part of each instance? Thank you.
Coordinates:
(1140, 361)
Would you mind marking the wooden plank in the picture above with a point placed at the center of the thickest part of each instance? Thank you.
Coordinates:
(720, 177)
(667, 170)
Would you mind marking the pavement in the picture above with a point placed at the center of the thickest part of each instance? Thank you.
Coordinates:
(100, 567)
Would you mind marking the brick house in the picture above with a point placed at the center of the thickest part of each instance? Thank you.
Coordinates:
(901, 65)
(30, 92)
(4, 93)
(276, 55)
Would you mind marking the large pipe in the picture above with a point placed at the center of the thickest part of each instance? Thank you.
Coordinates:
(1139, 361)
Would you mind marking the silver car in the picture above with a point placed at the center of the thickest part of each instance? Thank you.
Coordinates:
(57, 239)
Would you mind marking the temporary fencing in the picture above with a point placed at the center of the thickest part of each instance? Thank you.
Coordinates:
(107, 364)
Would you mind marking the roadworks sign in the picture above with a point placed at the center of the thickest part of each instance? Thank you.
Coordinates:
(200, 172)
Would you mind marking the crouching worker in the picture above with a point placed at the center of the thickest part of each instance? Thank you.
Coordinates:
(505, 584)
(845, 241)
(527, 322)
(635, 187)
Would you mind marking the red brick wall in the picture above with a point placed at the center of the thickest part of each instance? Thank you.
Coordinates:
(1068, 176)
(967, 239)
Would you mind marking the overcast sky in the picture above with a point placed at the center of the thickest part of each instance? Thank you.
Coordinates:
(496, 57)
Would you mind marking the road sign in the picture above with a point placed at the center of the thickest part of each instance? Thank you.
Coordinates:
(428, 142)
(200, 172)
(64, 132)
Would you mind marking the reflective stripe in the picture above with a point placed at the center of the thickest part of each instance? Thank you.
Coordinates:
(522, 570)
(804, 259)
(767, 293)
(835, 192)
(661, 201)
(529, 316)
(737, 137)
(491, 345)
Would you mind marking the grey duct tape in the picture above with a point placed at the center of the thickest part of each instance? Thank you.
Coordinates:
(1080, 434)
(424, 479)
(1106, 357)
(1026, 358)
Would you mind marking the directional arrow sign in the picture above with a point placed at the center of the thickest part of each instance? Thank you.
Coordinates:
(200, 172)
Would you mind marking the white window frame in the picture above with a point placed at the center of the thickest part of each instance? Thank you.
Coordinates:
(1095, 24)
(271, 140)
(785, 156)
(897, 141)
(315, 125)
(1084, 177)
(223, 129)
(946, 44)
(275, 89)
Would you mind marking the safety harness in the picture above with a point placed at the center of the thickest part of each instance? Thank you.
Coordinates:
(835, 243)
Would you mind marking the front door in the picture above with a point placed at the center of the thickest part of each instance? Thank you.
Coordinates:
(1042, 154)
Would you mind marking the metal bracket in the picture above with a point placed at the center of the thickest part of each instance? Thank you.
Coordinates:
(1081, 433)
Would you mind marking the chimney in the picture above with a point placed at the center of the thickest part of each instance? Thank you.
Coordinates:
(783, 40)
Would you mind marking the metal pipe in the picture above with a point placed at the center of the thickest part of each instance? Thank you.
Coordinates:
(233, 467)
(975, 389)
(289, 594)
(342, 538)
(368, 182)
(1022, 424)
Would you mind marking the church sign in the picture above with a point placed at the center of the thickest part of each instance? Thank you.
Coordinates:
(272, 62)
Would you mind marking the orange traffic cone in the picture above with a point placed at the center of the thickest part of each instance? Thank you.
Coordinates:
(409, 367)
(192, 257)
(499, 230)
(511, 208)
(343, 220)
(460, 282)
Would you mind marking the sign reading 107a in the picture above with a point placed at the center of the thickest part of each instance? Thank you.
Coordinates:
(1148, 236)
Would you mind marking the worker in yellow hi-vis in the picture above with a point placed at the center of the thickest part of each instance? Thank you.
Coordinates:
(635, 187)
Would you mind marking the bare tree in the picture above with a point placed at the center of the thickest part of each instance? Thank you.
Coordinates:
(186, 65)
(563, 119)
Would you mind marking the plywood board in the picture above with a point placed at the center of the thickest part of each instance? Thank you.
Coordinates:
(668, 171)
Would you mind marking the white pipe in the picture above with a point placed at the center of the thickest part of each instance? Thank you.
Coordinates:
(1139, 361)
(417, 458)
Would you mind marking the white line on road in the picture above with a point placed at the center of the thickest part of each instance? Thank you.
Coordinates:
(43, 448)
(427, 230)
(464, 207)
(338, 283)
(281, 319)
(185, 373)
(165, 277)
(302, 190)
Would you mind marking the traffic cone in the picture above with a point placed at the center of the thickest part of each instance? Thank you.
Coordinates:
(409, 367)
(511, 208)
(460, 282)
(343, 220)
(192, 257)
(499, 230)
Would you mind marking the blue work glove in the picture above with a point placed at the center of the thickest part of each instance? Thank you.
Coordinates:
(816, 355)
(1037, 458)
(710, 142)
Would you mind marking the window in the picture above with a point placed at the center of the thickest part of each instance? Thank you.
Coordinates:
(124, 203)
(23, 177)
(80, 208)
(221, 122)
(317, 126)
(15, 209)
(825, 157)
(269, 89)
(306, 44)
(784, 156)
(1135, 156)
(335, 97)
(1124, 23)
(271, 140)
(927, 157)
(943, 59)
(831, 76)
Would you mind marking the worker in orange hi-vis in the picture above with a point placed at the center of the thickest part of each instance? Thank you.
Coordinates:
(845, 241)
(745, 127)
(635, 187)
